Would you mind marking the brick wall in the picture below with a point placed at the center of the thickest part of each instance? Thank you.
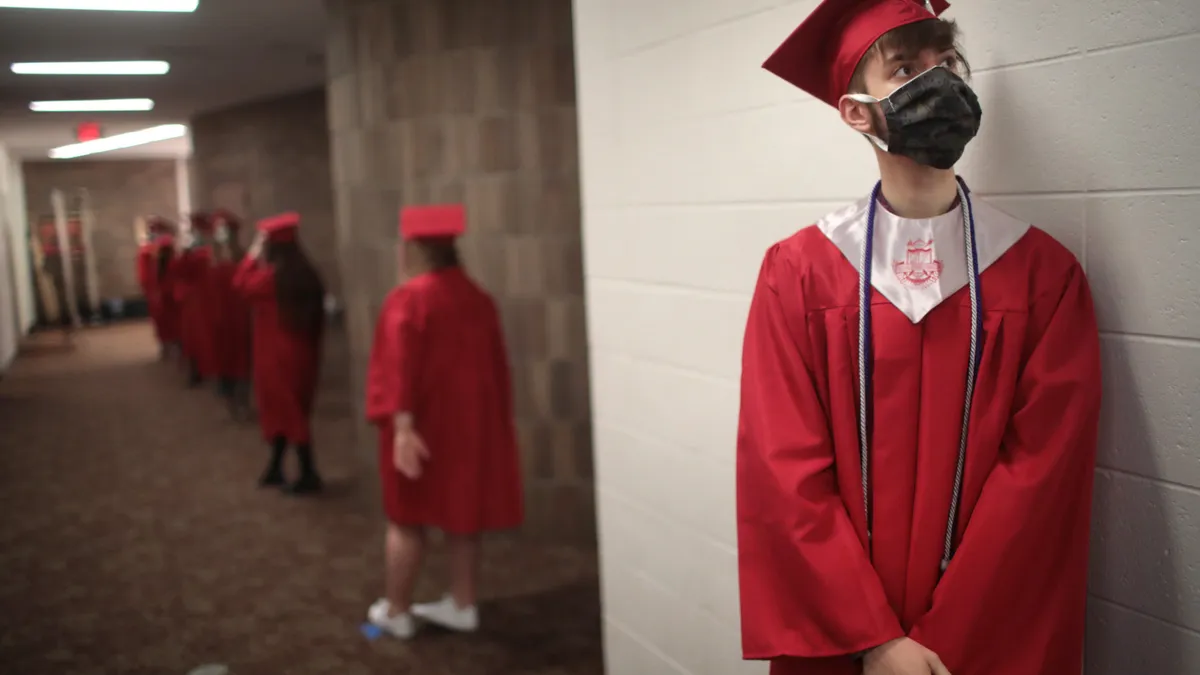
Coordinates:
(474, 102)
(268, 157)
(696, 160)
(120, 191)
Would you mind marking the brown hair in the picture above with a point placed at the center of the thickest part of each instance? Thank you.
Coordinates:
(439, 253)
(299, 290)
(938, 34)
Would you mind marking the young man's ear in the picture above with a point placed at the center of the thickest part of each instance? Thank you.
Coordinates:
(856, 115)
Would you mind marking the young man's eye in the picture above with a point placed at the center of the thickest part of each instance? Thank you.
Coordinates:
(951, 62)
(902, 71)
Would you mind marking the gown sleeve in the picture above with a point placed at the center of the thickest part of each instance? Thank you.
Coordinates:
(254, 280)
(1013, 598)
(808, 589)
(395, 354)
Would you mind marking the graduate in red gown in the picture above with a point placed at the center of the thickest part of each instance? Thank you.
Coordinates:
(438, 390)
(287, 299)
(147, 272)
(920, 393)
(197, 299)
(167, 322)
(233, 339)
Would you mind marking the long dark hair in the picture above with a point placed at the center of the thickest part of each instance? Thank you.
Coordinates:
(299, 290)
(165, 253)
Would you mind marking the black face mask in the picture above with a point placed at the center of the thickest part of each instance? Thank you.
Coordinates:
(930, 119)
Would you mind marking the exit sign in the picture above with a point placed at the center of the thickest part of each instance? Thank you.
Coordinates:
(88, 131)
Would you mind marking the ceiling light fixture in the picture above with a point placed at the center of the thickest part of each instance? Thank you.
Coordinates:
(109, 105)
(105, 5)
(93, 68)
(132, 139)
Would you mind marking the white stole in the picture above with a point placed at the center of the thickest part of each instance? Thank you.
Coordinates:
(919, 262)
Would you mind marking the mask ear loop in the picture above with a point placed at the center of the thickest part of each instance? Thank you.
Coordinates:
(869, 100)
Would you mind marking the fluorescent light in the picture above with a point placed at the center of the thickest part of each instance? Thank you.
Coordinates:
(109, 105)
(93, 68)
(164, 132)
(105, 5)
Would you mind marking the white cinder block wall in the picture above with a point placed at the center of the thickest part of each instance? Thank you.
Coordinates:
(694, 161)
(16, 284)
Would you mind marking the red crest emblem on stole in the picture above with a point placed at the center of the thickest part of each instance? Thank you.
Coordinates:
(919, 268)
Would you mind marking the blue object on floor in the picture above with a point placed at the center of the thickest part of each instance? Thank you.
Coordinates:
(371, 631)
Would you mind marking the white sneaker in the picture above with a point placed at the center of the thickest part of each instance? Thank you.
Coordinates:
(447, 614)
(400, 625)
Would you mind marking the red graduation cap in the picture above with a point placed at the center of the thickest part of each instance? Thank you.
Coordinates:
(820, 56)
(202, 222)
(158, 225)
(432, 222)
(281, 227)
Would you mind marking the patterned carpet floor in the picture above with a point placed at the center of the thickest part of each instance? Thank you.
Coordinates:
(133, 540)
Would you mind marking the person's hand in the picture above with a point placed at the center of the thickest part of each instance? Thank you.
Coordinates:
(902, 657)
(409, 452)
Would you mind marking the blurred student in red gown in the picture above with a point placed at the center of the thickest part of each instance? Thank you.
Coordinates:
(197, 300)
(438, 389)
(287, 299)
(155, 237)
(232, 332)
(164, 283)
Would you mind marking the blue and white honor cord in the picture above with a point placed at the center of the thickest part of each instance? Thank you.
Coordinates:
(866, 362)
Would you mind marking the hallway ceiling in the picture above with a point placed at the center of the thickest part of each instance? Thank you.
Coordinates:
(227, 52)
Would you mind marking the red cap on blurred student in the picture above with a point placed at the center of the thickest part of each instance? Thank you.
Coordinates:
(280, 228)
(437, 221)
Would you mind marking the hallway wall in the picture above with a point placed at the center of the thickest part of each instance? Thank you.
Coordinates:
(121, 190)
(474, 102)
(16, 315)
(695, 161)
(12, 212)
(268, 157)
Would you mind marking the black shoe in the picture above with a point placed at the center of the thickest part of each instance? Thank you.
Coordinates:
(272, 478)
(307, 485)
(194, 378)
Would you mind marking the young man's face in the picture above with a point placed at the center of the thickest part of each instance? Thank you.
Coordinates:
(891, 68)
(882, 72)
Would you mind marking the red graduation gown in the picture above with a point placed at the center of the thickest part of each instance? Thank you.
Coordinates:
(147, 273)
(1012, 601)
(168, 309)
(233, 340)
(286, 364)
(198, 309)
(439, 354)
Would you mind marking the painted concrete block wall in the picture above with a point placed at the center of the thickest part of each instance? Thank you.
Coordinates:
(17, 312)
(12, 215)
(9, 290)
(694, 161)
